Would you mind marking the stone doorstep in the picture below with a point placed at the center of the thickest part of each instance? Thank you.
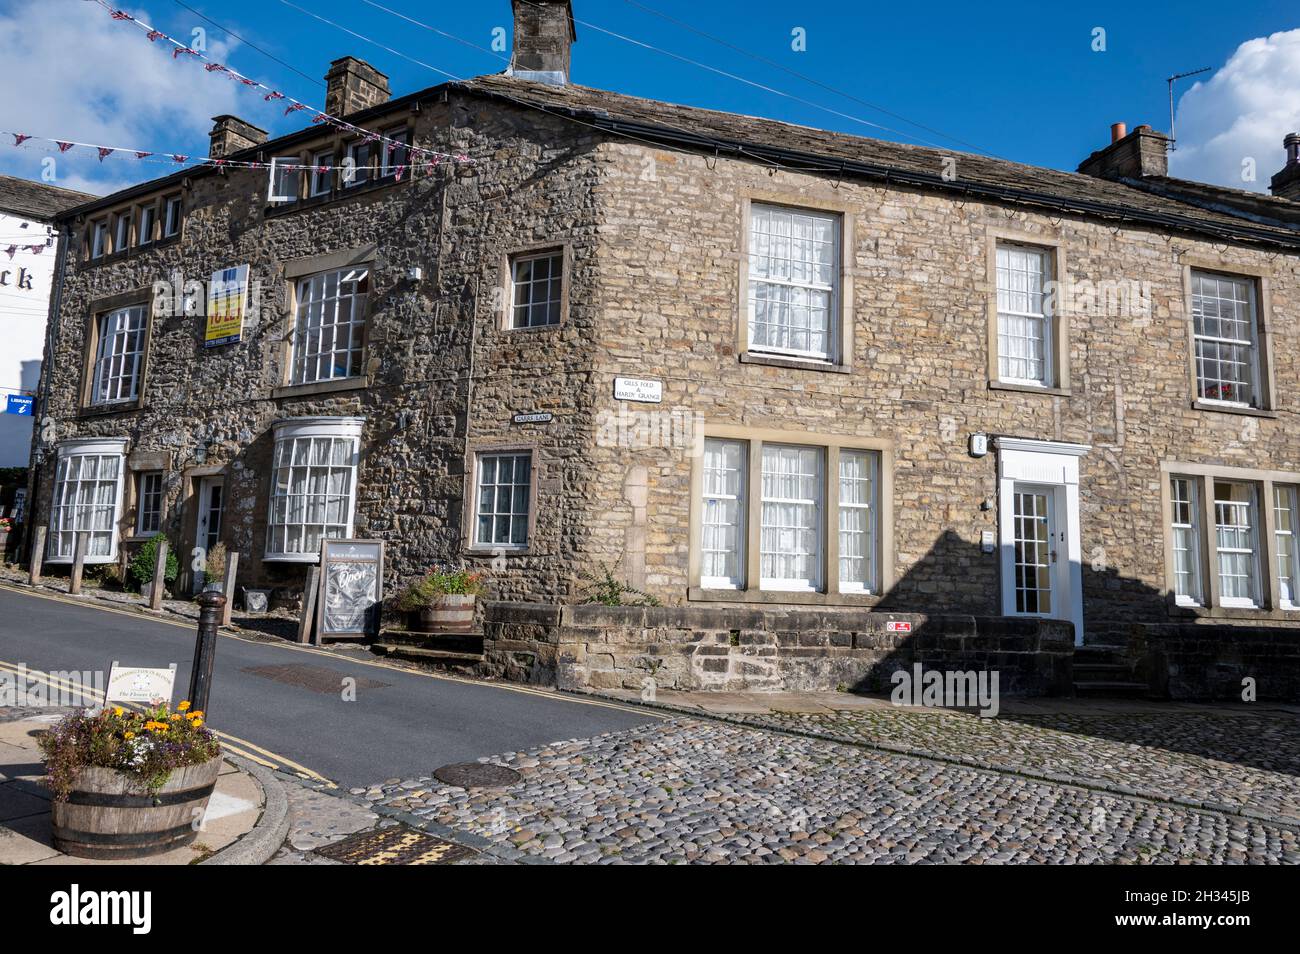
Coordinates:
(25, 837)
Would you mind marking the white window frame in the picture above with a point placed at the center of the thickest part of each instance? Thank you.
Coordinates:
(554, 283)
(143, 479)
(171, 216)
(832, 290)
(321, 183)
(61, 542)
(513, 515)
(814, 582)
(1251, 344)
(122, 231)
(147, 216)
(1006, 314)
(1253, 601)
(387, 165)
(1191, 530)
(358, 173)
(277, 192)
(310, 293)
(720, 497)
(1286, 536)
(870, 579)
(99, 238)
(118, 344)
(309, 432)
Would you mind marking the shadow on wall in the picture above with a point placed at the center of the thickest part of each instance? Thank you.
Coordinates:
(16, 429)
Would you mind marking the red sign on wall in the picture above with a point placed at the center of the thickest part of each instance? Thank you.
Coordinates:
(898, 626)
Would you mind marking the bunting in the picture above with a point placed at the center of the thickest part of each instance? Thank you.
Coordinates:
(104, 152)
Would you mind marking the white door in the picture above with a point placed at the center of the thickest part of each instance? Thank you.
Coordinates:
(208, 530)
(1038, 522)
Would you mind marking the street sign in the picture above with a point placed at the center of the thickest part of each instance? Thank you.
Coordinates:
(351, 588)
(642, 390)
(19, 404)
(538, 417)
(227, 300)
(139, 684)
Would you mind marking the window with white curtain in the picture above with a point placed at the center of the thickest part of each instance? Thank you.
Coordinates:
(1237, 528)
(790, 537)
(119, 356)
(329, 325)
(722, 545)
(502, 505)
(858, 482)
(148, 519)
(1185, 523)
(87, 500)
(313, 489)
(1284, 534)
(1224, 325)
(793, 281)
(1024, 322)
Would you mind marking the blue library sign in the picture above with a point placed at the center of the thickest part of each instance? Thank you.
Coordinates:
(19, 404)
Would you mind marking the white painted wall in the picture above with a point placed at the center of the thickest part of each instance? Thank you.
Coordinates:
(23, 314)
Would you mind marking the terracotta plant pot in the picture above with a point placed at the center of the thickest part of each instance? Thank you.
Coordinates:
(108, 815)
(451, 614)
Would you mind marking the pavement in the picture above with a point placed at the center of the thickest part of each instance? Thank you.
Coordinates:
(234, 810)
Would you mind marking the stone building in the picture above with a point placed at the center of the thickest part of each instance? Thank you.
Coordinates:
(786, 381)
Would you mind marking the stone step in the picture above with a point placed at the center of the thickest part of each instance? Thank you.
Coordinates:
(1111, 688)
(452, 642)
(426, 654)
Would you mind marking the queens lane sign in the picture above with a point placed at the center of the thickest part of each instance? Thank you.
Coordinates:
(642, 390)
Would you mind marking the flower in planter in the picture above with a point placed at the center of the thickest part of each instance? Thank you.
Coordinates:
(437, 583)
(145, 745)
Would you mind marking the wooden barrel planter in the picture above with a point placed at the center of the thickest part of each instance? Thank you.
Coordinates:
(451, 614)
(108, 816)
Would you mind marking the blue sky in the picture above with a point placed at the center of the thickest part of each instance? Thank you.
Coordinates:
(1020, 80)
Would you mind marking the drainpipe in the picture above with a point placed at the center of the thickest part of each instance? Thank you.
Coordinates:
(64, 239)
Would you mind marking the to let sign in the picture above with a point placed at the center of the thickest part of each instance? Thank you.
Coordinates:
(639, 389)
(227, 300)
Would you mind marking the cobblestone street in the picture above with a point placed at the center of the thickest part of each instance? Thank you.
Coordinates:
(704, 791)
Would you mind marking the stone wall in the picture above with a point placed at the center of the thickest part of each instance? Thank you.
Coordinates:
(1213, 662)
(741, 649)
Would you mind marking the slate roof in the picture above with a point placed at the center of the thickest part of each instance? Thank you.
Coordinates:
(36, 199)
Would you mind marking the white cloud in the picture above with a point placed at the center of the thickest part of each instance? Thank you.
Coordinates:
(74, 73)
(1241, 113)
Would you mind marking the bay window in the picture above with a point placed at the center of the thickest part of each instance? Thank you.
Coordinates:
(313, 488)
(329, 325)
(87, 499)
(794, 277)
(810, 524)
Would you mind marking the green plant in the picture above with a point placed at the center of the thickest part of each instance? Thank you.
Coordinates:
(607, 589)
(142, 564)
(438, 582)
(145, 745)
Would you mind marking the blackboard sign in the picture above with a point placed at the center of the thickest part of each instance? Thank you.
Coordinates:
(351, 588)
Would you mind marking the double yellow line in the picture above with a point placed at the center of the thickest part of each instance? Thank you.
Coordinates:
(231, 743)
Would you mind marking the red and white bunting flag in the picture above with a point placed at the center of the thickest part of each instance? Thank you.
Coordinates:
(294, 108)
(320, 118)
(104, 153)
(179, 158)
(398, 176)
(64, 146)
(19, 139)
(248, 82)
(35, 249)
(121, 15)
(155, 35)
(10, 251)
(177, 51)
(143, 155)
(273, 95)
(214, 67)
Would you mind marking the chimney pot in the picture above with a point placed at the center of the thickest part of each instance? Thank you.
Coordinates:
(231, 134)
(352, 85)
(1286, 183)
(1118, 131)
(1143, 152)
(544, 37)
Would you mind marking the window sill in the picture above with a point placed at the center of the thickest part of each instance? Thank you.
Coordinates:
(106, 410)
(697, 594)
(1277, 614)
(1233, 409)
(132, 252)
(801, 364)
(321, 387)
(278, 209)
(477, 550)
(1028, 388)
(533, 329)
(291, 558)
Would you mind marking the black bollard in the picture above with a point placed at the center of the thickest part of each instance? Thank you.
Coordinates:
(211, 601)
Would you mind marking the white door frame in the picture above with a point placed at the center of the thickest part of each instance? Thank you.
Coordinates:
(204, 498)
(1054, 466)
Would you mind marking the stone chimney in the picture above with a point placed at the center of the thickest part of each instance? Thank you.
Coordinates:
(351, 85)
(231, 134)
(1143, 152)
(1286, 184)
(544, 35)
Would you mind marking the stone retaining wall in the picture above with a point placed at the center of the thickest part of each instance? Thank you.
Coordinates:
(741, 648)
(1185, 661)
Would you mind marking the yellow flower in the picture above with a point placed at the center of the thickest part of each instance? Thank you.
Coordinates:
(196, 714)
(118, 710)
(130, 735)
(183, 706)
(196, 723)
(176, 716)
